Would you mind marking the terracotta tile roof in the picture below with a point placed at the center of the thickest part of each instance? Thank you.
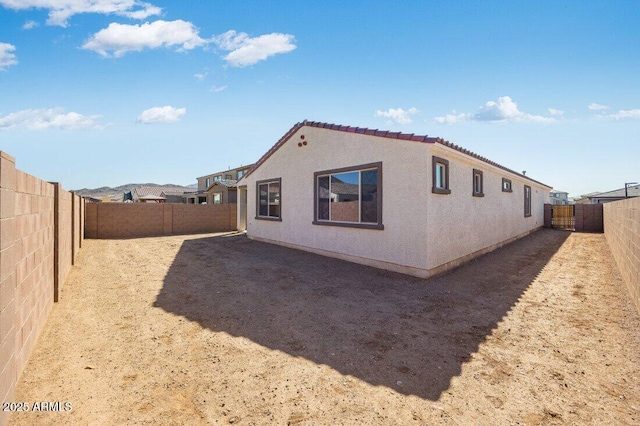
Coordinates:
(174, 192)
(380, 133)
(144, 190)
(229, 183)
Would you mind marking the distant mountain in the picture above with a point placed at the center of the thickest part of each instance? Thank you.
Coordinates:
(116, 194)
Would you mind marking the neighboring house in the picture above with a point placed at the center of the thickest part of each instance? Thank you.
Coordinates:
(559, 198)
(155, 194)
(173, 196)
(222, 192)
(412, 204)
(609, 196)
(584, 199)
(217, 188)
(152, 199)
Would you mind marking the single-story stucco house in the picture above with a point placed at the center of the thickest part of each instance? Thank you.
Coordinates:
(413, 204)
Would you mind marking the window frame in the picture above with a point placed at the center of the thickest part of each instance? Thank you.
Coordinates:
(527, 201)
(505, 180)
(207, 182)
(263, 182)
(240, 173)
(359, 168)
(435, 189)
(480, 175)
(213, 197)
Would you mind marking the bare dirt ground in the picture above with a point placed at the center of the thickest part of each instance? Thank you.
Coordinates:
(220, 329)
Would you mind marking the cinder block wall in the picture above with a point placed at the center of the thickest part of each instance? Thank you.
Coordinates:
(622, 230)
(134, 220)
(35, 231)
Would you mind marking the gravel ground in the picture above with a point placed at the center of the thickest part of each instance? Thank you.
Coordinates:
(218, 329)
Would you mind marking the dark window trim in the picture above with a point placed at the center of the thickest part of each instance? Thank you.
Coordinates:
(527, 201)
(510, 185)
(271, 218)
(379, 225)
(434, 188)
(473, 183)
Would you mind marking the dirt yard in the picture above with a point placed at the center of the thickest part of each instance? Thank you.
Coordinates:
(219, 329)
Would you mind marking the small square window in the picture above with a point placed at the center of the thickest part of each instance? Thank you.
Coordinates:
(506, 185)
(227, 177)
(478, 178)
(440, 175)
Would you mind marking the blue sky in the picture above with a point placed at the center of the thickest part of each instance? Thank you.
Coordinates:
(107, 92)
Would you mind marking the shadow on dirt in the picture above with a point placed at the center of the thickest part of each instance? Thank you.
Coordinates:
(388, 329)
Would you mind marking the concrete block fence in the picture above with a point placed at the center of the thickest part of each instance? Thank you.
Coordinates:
(135, 220)
(622, 230)
(41, 233)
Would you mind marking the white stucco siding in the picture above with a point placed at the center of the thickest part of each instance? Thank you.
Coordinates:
(460, 224)
(405, 181)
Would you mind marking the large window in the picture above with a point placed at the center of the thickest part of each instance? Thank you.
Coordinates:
(268, 199)
(478, 178)
(217, 198)
(527, 201)
(349, 197)
(440, 176)
(240, 173)
(207, 182)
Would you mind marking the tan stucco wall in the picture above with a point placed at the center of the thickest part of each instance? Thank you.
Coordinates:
(404, 165)
(460, 224)
(424, 233)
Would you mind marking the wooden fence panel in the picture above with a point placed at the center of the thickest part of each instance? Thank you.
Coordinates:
(589, 218)
(562, 217)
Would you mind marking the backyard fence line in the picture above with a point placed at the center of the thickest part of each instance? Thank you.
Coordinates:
(41, 233)
(622, 230)
(137, 220)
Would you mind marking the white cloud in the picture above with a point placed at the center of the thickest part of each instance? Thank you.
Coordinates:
(453, 118)
(53, 118)
(597, 107)
(217, 89)
(554, 111)
(165, 114)
(199, 76)
(502, 110)
(398, 115)
(247, 50)
(119, 38)
(29, 25)
(61, 10)
(631, 114)
(7, 58)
